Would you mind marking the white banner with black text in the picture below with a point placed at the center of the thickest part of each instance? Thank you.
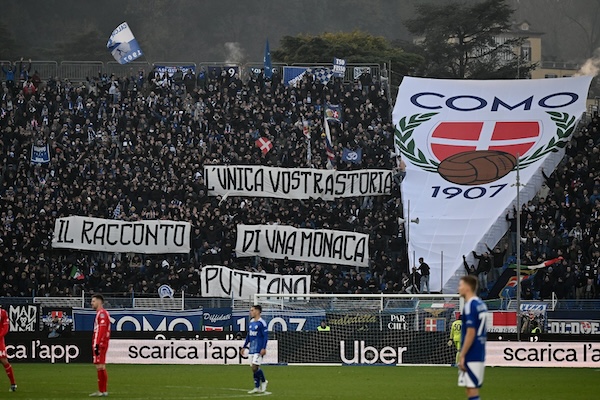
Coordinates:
(220, 281)
(311, 245)
(109, 235)
(295, 183)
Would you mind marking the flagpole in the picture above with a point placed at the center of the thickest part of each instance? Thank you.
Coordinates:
(518, 208)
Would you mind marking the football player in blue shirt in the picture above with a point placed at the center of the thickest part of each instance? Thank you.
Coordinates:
(256, 344)
(474, 333)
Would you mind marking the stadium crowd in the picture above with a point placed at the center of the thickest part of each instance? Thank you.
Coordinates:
(134, 147)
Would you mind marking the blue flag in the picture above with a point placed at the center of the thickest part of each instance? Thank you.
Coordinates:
(122, 44)
(40, 154)
(353, 156)
(267, 62)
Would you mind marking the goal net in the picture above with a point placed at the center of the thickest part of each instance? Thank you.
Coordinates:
(382, 329)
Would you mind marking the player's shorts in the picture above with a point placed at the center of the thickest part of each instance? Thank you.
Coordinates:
(101, 358)
(457, 344)
(3, 349)
(255, 359)
(473, 376)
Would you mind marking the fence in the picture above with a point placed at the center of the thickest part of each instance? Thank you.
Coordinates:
(79, 71)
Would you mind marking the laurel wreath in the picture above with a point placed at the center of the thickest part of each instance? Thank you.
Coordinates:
(565, 125)
(404, 141)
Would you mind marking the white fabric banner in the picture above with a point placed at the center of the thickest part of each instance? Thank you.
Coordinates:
(219, 281)
(312, 245)
(109, 235)
(295, 183)
(460, 140)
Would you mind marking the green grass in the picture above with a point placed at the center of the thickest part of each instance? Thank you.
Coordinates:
(76, 381)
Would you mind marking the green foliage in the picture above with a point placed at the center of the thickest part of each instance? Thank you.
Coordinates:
(457, 40)
(76, 381)
(355, 47)
(84, 46)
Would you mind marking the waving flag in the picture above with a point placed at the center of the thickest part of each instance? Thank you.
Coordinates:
(306, 132)
(267, 62)
(461, 141)
(122, 45)
(329, 146)
(264, 144)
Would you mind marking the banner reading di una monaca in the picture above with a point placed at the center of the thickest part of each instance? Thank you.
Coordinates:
(312, 245)
(460, 140)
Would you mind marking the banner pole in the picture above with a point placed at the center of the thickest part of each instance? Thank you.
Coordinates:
(442, 272)
(518, 208)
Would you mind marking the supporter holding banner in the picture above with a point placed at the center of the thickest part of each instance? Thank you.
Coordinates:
(115, 236)
(339, 67)
(40, 154)
(219, 281)
(311, 245)
(352, 156)
(171, 69)
(461, 140)
(295, 183)
(122, 44)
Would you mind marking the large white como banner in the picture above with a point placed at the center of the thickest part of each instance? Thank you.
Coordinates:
(295, 183)
(460, 141)
(223, 352)
(311, 245)
(109, 235)
(220, 281)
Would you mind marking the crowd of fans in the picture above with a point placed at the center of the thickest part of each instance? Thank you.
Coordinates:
(134, 147)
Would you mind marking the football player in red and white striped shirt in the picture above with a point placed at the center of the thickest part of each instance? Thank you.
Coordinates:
(100, 343)
(4, 328)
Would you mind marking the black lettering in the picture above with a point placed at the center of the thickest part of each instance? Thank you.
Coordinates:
(138, 237)
(99, 234)
(87, 226)
(108, 228)
(340, 183)
(151, 235)
(181, 241)
(259, 180)
(122, 237)
(166, 228)
(274, 183)
(207, 180)
(317, 177)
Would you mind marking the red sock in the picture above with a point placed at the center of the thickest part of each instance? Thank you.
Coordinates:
(102, 380)
(9, 373)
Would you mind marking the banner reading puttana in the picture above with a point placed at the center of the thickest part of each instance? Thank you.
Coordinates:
(97, 234)
(312, 245)
(122, 44)
(460, 140)
(219, 281)
(295, 183)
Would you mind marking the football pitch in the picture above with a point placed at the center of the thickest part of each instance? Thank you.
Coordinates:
(77, 381)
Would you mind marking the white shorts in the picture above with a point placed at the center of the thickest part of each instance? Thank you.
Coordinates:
(473, 376)
(255, 359)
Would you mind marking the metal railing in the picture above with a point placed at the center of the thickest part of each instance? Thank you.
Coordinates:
(79, 71)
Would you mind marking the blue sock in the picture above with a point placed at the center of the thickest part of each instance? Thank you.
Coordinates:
(261, 375)
(474, 398)
(257, 379)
